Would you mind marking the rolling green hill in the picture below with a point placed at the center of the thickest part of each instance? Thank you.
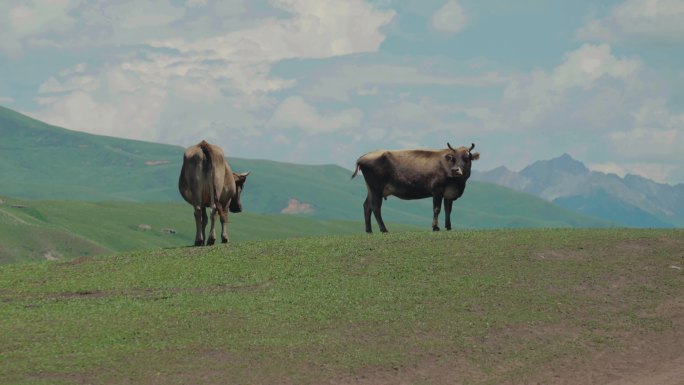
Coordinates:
(40, 161)
(39, 230)
(44, 162)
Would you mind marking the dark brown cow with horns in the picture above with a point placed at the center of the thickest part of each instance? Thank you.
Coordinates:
(206, 180)
(415, 174)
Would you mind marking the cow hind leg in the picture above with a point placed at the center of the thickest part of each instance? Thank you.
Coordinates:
(199, 233)
(223, 216)
(367, 214)
(376, 206)
(212, 228)
(205, 220)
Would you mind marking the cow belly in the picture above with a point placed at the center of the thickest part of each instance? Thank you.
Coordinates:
(452, 192)
(405, 192)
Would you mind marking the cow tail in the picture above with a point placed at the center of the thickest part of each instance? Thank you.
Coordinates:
(357, 170)
(207, 155)
(206, 149)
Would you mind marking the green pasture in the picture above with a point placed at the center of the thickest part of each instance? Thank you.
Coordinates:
(327, 309)
(39, 230)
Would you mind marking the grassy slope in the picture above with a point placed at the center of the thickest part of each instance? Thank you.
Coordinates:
(66, 229)
(70, 229)
(41, 161)
(44, 162)
(486, 306)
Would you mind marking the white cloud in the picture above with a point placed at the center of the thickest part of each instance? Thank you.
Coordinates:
(295, 112)
(342, 82)
(581, 68)
(542, 93)
(136, 15)
(134, 116)
(154, 101)
(648, 142)
(317, 29)
(596, 30)
(74, 83)
(195, 3)
(216, 86)
(20, 21)
(657, 134)
(589, 63)
(659, 172)
(80, 23)
(610, 168)
(376, 133)
(450, 18)
(77, 69)
(638, 20)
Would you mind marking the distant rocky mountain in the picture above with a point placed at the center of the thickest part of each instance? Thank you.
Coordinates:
(631, 201)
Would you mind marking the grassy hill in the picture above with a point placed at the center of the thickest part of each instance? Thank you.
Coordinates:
(472, 307)
(38, 230)
(44, 162)
(41, 161)
(35, 230)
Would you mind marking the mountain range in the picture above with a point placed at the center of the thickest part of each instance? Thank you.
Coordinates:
(632, 200)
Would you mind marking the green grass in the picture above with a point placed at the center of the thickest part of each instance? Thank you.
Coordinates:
(70, 229)
(316, 310)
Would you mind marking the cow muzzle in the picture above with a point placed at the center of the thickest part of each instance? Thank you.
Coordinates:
(235, 209)
(456, 172)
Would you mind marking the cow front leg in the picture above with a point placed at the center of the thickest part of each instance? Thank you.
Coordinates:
(436, 208)
(212, 229)
(367, 214)
(448, 203)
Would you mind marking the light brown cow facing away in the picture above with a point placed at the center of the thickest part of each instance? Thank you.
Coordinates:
(206, 180)
(415, 174)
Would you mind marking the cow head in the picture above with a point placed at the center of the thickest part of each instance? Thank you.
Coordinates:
(459, 160)
(235, 205)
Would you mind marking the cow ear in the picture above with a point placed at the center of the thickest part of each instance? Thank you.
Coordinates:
(474, 155)
(240, 177)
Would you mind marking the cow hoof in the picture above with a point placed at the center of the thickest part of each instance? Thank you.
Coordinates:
(211, 241)
(435, 228)
(199, 243)
(224, 240)
(448, 228)
(384, 231)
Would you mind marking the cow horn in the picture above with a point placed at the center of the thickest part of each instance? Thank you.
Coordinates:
(472, 145)
(451, 148)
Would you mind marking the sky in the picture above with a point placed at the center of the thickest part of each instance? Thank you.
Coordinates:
(325, 81)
